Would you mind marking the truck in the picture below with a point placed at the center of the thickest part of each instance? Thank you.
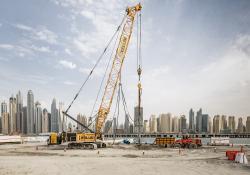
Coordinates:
(180, 143)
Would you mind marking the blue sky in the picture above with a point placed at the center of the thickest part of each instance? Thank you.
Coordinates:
(195, 53)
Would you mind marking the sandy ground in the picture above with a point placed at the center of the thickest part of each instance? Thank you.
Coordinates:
(123, 159)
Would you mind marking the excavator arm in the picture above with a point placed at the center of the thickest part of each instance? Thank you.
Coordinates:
(114, 74)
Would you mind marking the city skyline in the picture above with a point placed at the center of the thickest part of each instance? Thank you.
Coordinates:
(52, 53)
(34, 119)
(24, 98)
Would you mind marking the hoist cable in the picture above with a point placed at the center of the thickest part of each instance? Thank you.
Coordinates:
(97, 62)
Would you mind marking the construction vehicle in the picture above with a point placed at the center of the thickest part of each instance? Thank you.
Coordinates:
(188, 143)
(165, 141)
(93, 139)
(179, 143)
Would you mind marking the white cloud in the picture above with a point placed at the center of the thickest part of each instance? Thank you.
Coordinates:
(68, 51)
(41, 49)
(98, 72)
(68, 83)
(45, 35)
(39, 33)
(88, 14)
(6, 46)
(160, 71)
(104, 17)
(24, 27)
(67, 64)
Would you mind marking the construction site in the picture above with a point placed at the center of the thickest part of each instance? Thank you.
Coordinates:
(121, 159)
(87, 151)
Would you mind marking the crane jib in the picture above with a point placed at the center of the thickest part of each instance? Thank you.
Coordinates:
(116, 68)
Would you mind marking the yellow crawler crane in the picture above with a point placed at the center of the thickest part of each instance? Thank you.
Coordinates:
(93, 139)
(116, 68)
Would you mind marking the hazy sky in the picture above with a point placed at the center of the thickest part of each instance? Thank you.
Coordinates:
(195, 53)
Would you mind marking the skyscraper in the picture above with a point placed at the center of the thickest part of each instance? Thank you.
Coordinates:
(30, 113)
(62, 122)
(54, 117)
(19, 114)
(240, 125)
(146, 126)
(38, 118)
(183, 123)
(114, 125)
(205, 123)
(191, 121)
(216, 124)
(5, 123)
(3, 111)
(82, 119)
(199, 121)
(175, 124)
(166, 123)
(45, 121)
(223, 122)
(12, 109)
(158, 122)
(153, 124)
(138, 120)
(108, 127)
(24, 120)
(126, 124)
(248, 125)
(231, 123)
(49, 122)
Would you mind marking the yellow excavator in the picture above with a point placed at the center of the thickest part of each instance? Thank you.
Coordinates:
(93, 139)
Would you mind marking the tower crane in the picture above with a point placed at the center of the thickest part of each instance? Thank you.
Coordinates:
(93, 139)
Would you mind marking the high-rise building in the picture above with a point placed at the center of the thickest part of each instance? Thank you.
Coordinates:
(231, 123)
(223, 122)
(62, 122)
(153, 124)
(146, 126)
(248, 125)
(24, 120)
(210, 126)
(199, 121)
(183, 124)
(108, 127)
(131, 129)
(3, 107)
(165, 123)
(30, 113)
(205, 123)
(54, 117)
(19, 113)
(138, 120)
(5, 123)
(158, 121)
(0, 124)
(12, 109)
(3, 111)
(45, 121)
(216, 124)
(175, 124)
(49, 122)
(82, 119)
(38, 118)
(191, 121)
(126, 124)
(91, 123)
(114, 125)
(240, 125)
